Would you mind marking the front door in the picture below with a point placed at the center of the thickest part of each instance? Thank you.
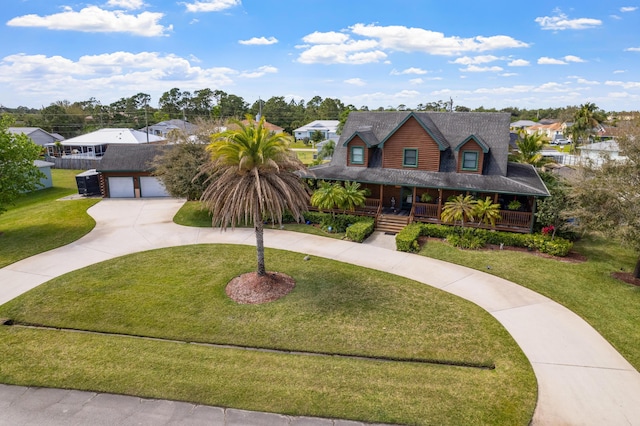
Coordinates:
(406, 197)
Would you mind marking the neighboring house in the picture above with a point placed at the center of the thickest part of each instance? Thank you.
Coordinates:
(45, 168)
(550, 130)
(522, 125)
(94, 145)
(399, 156)
(36, 134)
(269, 126)
(597, 152)
(126, 172)
(163, 128)
(328, 128)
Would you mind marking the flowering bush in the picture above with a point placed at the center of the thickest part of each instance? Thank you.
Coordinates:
(548, 230)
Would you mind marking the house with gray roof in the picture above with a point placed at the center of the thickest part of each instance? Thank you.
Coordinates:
(412, 162)
(36, 134)
(163, 128)
(328, 128)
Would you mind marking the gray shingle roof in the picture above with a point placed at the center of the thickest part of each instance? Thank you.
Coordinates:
(492, 129)
(130, 158)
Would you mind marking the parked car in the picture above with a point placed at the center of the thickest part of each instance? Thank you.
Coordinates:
(560, 142)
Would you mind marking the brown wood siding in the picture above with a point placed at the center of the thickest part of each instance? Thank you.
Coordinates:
(411, 135)
(388, 192)
(471, 145)
(356, 141)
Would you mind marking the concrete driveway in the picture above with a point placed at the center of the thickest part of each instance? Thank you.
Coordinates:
(582, 379)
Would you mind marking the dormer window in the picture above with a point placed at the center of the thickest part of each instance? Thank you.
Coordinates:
(470, 160)
(410, 158)
(357, 155)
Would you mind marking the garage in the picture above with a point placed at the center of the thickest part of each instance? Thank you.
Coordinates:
(151, 186)
(121, 187)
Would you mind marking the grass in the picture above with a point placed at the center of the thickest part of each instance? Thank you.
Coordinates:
(193, 214)
(39, 222)
(336, 308)
(306, 157)
(609, 305)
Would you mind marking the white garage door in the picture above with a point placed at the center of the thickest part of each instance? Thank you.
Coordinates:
(121, 187)
(152, 187)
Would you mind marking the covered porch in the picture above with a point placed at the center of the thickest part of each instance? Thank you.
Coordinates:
(386, 201)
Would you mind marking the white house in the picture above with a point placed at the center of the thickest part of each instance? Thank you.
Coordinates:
(596, 152)
(163, 128)
(328, 128)
(94, 144)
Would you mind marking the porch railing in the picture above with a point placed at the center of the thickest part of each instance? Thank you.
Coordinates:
(512, 220)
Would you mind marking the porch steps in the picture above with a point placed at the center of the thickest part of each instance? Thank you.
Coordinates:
(391, 222)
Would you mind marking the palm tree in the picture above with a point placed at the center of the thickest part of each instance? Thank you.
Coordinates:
(252, 180)
(529, 150)
(328, 196)
(586, 119)
(353, 196)
(459, 208)
(327, 150)
(486, 211)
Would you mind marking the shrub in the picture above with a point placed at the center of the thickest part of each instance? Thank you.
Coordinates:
(467, 238)
(435, 231)
(555, 247)
(407, 239)
(360, 230)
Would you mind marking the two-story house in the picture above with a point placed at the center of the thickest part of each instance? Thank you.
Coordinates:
(400, 156)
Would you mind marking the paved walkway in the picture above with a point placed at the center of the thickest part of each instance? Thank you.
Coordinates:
(582, 380)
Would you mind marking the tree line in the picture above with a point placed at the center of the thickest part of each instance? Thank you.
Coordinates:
(71, 119)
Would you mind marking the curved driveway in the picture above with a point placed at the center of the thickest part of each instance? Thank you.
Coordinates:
(582, 379)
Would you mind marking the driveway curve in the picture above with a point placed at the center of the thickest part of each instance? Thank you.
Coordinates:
(582, 379)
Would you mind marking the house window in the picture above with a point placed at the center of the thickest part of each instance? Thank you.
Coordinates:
(357, 155)
(470, 160)
(410, 157)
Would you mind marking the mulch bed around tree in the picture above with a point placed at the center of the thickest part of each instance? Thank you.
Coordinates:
(250, 288)
(627, 277)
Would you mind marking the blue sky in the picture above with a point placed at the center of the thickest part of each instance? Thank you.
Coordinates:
(364, 52)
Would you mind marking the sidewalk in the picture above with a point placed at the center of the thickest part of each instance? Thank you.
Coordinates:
(582, 380)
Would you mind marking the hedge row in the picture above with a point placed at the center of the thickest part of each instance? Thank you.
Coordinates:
(360, 230)
(407, 239)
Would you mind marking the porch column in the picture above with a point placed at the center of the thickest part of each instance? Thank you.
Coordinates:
(381, 193)
(439, 204)
(533, 214)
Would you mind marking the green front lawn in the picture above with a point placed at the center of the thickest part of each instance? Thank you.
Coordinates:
(336, 308)
(586, 288)
(39, 222)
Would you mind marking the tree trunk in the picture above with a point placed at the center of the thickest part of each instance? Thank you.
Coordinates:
(636, 271)
(259, 228)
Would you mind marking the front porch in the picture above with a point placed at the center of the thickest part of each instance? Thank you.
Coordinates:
(393, 207)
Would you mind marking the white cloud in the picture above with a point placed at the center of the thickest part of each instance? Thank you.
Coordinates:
(632, 49)
(267, 69)
(94, 19)
(550, 61)
(406, 39)
(259, 41)
(411, 70)
(355, 82)
(118, 74)
(211, 5)
(508, 74)
(350, 52)
(619, 71)
(416, 81)
(483, 59)
(330, 37)
(624, 84)
(340, 47)
(572, 58)
(519, 63)
(626, 9)
(561, 22)
(475, 68)
(584, 81)
(126, 4)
